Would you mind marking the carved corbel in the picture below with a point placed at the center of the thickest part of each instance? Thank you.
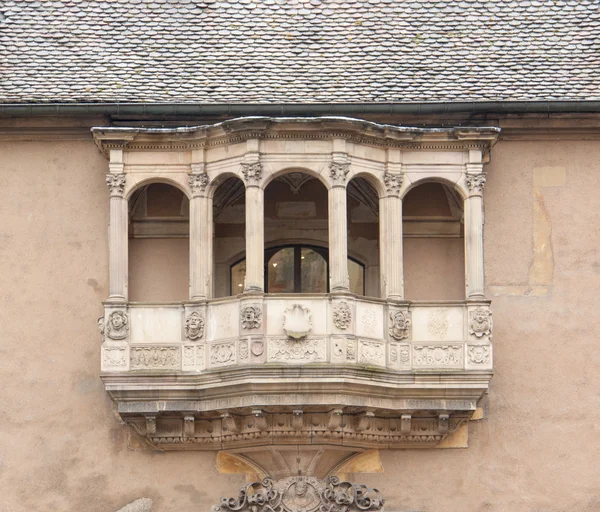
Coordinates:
(297, 419)
(150, 425)
(260, 419)
(365, 421)
(405, 423)
(335, 419)
(189, 426)
(230, 423)
(443, 423)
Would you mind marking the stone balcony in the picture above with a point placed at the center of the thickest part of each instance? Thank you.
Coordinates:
(335, 369)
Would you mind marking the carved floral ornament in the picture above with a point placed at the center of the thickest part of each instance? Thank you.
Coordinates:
(297, 321)
(338, 171)
(194, 326)
(476, 182)
(252, 171)
(198, 182)
(251, 316)
(303, 494)
(393, 182)
(480, 322)
(342, 315)
(117, 327)
(116, 184)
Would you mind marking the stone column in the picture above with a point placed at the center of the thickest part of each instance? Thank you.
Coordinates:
(475, 178)
(391, 246)
(338, 228)
(255, 228)
(118, 237)
(200, 256)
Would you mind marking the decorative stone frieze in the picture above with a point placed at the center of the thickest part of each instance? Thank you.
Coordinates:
(252, 172)
(342, 315)
(307, 350)
(338, 172)
(393, 182)
(251, 316)
(371, 352)
(303, 494)
(222, 354)
(399, 328)
(480, 322)
(476, 182)
(117, 327)
(194, 326)
(157, 357)
(297, 321)
(116, 184)
(438, 355)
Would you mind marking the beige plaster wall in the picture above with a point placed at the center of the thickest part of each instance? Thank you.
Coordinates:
(536, 450)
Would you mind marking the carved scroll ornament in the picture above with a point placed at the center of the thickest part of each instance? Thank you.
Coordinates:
(303, 494)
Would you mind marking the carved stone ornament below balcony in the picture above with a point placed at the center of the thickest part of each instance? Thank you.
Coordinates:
(117, 327)
(297, 321)
(342, 315)
(194, 326)
(480, 323)
(251, 317)
(303, 494)
(399, 325)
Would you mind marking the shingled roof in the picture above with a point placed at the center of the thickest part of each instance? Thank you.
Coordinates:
(299, 51)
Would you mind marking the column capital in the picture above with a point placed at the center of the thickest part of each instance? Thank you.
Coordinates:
(338, 172)
(393, 182)
(252, 172)
(198, 179)
(476, 183)
(116, 184)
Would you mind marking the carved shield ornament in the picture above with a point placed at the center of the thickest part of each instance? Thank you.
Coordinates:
(297, 321)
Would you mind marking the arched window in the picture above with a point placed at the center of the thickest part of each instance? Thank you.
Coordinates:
(297, 269)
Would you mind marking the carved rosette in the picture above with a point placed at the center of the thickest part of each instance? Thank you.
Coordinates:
(194, 326)
(338, 172)
(252, 172)
(251, 317)
(198, 182)
(480, 322)
(297, 321)
(117, 327)
(476, 182)
(399, 325)
(393, 182)
(116, 184)
(303, 494)
(342, 315)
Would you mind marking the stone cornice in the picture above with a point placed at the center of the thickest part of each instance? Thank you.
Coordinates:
(314, 128)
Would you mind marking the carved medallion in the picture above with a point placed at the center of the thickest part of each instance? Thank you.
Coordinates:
(480, 323)
(399, 325)
(303, 494)
(479, 354)
(297, 321)
(117, 327)
(251, 317)
(342, 315)
(194, 326)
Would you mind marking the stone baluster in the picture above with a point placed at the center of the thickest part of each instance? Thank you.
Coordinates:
(255, 226)
(475, 178)
(338, 227)
(118, 235)
(200, 253)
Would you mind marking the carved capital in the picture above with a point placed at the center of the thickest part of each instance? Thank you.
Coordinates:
(393, 182)
(338, 172)
(476, 182)
(198, 182)
(252, 172)
(116, 184)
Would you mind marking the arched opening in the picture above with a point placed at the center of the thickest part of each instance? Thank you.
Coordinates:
(434, 252)
(229, 218)
(363, 237)
(296, 235)
(158, 244)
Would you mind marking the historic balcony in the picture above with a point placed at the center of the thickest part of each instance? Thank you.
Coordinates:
(296, 282)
